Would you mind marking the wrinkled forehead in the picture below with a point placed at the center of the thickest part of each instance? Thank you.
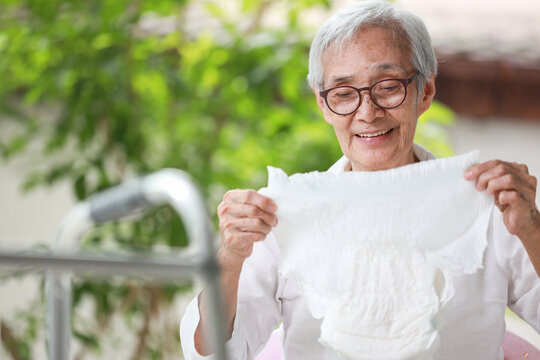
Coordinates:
(393, 33)
(390, 39)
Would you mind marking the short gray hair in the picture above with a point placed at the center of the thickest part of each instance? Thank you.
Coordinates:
(344, 25)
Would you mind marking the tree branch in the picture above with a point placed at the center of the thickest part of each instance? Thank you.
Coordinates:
(151, 310)
(10, 341)
(256, 22)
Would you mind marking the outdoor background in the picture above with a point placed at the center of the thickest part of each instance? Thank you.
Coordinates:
(94, 92)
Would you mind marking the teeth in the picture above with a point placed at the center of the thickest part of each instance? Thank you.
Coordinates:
(374, 134)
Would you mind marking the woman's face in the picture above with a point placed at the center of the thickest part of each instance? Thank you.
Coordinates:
(372, 56)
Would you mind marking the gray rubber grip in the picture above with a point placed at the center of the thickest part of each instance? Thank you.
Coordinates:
(117, 202)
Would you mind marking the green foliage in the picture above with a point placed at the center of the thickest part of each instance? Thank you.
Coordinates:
(108, 89)
(430, 130)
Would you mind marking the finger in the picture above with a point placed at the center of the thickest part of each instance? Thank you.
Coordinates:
(250, 236)
(246, 211)
(494, 182)
(237, 238)
(519, 171)
(251, 197)
(511, 182)
(519, 168)
(502, 178)
(490, 173)
(232, 228)
(502, 208)
(531, 181)
(518, 215)
(250, 225)
(474, 171)
(510, 198)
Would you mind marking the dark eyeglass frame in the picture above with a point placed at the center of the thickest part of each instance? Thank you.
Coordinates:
(405, 83)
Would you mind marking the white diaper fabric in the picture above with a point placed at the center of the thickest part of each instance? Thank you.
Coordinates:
(374, 253)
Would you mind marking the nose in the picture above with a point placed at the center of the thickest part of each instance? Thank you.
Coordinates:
(368, 111)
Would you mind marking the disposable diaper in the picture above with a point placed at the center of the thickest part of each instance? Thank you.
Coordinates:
(374, 253)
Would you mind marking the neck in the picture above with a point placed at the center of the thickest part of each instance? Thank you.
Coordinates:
(409, 159)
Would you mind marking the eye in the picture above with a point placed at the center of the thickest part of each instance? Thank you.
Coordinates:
(343, 93)
(389, 88)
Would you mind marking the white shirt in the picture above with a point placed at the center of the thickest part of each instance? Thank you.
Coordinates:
(473, 324)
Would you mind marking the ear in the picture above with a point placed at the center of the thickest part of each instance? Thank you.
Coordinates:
(320, 100)
(426, 97)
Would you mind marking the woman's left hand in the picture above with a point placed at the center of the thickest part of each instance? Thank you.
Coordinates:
(515, 194)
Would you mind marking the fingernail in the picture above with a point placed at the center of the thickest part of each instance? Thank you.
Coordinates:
(469, 175)
(273, 207)
(275, 222)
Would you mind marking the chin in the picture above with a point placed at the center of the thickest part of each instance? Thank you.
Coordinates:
(377, 160)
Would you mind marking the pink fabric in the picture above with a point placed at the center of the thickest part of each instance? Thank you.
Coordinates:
(272, 349)
(515, 348)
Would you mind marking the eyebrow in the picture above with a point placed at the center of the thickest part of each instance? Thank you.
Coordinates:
(339, 79)
(387, 66)
(377, 67)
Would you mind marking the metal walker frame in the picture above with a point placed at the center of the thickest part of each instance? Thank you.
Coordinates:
(168, 186)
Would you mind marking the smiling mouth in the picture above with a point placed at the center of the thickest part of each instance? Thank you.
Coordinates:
(375, 134)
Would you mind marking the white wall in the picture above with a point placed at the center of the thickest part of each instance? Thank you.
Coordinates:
(26, 219)
(506, 139)
(510, 140)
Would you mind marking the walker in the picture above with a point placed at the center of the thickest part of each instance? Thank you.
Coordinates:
(167, 186)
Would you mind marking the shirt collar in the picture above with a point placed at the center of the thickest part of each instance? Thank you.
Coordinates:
(344, 164)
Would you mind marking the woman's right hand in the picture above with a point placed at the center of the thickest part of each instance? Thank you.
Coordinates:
(245, 217)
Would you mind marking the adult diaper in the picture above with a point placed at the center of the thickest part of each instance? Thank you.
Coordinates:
(374, 253)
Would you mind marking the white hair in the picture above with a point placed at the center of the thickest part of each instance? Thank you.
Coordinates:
(407, 28)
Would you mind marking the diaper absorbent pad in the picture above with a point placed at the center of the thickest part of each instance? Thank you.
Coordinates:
(374, 253)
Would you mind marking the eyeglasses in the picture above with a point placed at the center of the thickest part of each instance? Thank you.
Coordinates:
(386, 94)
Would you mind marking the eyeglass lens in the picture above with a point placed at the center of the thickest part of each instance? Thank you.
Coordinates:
(386, 94)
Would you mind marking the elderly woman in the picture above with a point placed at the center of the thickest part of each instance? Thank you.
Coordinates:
(372, 69)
